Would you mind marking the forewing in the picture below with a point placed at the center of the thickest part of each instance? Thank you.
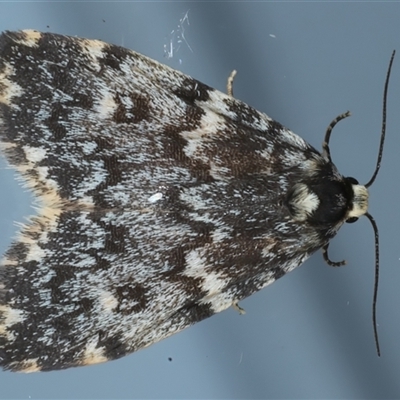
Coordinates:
(160, 201)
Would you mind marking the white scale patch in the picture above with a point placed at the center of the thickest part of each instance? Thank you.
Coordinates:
(10, 89)
(10, 316)
(93, 354)
(155, 197)
(34, 155)
(105, 105)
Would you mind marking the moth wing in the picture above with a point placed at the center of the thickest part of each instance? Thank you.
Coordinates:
(146, 183)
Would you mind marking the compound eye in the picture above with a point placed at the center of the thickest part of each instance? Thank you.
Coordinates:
(352, 180)
(351, 220)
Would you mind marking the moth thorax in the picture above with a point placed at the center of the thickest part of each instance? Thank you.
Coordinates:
(360, 201)
(303, 202)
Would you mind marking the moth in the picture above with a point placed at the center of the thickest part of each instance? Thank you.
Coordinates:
(160, 201)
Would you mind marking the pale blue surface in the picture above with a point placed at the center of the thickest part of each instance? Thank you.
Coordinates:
(310, 334)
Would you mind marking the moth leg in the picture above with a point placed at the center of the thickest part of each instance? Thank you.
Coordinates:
(239, 309)
(328, 260)
(229, 84)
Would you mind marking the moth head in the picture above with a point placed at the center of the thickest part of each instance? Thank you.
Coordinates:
(327, 202)
(359, 204)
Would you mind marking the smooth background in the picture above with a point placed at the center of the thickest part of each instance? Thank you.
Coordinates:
(308, 335)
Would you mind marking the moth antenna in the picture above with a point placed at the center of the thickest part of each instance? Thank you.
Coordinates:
(325, 145)
(369, 216)
(385, 92)
(375, 296)
(327, 155)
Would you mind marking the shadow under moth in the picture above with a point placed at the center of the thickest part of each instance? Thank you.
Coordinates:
(160, 201)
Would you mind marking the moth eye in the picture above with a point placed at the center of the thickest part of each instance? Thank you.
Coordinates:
(351, 220)
(352, 180)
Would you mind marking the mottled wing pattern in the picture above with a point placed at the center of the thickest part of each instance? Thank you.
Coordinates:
(161, 201)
